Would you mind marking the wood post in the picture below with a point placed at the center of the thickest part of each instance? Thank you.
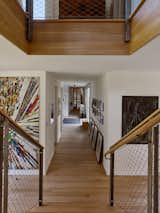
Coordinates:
(40, 177)
(5, 164)
(112, 180)
(29, 24)
(156, 171)
(127, 21)
(1, 166)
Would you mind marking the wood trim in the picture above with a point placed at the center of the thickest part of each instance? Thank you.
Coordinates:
(79, 20)
(140, 129)
(136, 9)
(145, 25)
(18, 129)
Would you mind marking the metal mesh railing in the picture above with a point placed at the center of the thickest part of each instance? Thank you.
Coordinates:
(135, 176)
(23, 174)
(131, 178)
(21, 171)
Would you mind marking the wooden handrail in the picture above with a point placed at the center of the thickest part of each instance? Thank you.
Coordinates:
(136, 9)
(139, 130)
(18, 129)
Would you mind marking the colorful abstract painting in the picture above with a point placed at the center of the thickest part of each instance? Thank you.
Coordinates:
(19, 98)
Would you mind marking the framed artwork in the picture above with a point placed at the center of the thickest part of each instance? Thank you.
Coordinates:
(91, 132)
(98, 110)
(20, 99)
(94, 138)
(134, 110)
(99, 147)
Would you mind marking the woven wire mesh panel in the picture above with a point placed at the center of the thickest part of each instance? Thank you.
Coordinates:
(23, 174)
(82, 9)
(131, 166)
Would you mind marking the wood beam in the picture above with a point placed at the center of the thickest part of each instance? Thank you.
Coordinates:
(145, 24)
(13, 23)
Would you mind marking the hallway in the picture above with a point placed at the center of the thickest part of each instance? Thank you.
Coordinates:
(75, 182)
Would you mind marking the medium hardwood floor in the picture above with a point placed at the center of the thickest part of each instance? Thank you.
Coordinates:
(75, 182)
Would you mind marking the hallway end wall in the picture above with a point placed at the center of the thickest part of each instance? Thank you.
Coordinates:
(59, 91)
(65, 101)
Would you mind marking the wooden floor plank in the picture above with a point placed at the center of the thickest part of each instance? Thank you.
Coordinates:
(75, 182)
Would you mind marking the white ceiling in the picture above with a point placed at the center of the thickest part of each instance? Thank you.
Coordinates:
(12, 58)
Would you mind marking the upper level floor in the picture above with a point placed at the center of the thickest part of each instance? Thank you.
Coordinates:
(80, 27)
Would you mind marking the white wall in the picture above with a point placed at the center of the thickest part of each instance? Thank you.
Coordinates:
(50, 128)
(59, 90)
(111, 87)
(65, 100)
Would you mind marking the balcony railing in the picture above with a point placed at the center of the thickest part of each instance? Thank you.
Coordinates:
(77, 9)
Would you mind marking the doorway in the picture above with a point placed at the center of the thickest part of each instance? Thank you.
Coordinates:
(76, 100)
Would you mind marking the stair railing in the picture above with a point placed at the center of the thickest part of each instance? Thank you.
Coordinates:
(131, 174)
(21, 168)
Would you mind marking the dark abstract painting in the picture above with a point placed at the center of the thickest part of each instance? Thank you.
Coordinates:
(134, 110)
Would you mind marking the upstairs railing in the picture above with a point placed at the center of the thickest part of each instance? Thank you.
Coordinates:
(134, 168)
(21, 168)
(80, 9)
(77, 9)
(131, 8)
